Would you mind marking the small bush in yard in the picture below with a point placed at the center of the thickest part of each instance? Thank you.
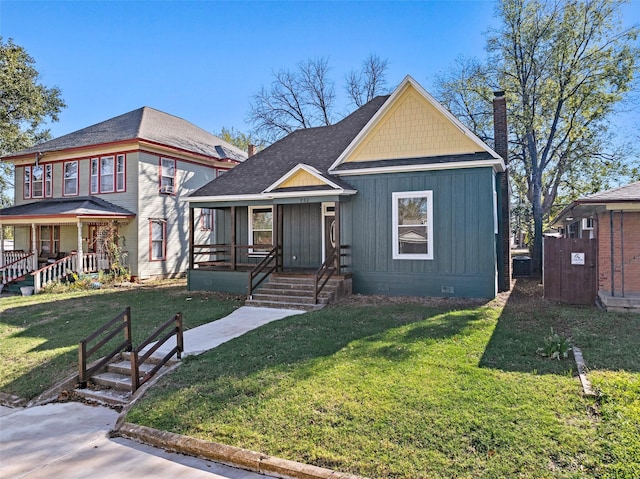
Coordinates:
(555, 346)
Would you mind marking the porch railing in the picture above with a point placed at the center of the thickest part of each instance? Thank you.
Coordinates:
(268, 265)
(228, 257)
(324, 274)
(11, 256)
(120, 323)
(20, 266)
(140, 354)
(53, 272)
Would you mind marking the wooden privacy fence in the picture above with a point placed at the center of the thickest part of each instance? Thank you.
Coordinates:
(570, 270)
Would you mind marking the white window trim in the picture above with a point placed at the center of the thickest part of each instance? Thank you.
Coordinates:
(250, 221)
(112, 174)
(428, 194)
(166, 189)
(206, 216)
(122, 173)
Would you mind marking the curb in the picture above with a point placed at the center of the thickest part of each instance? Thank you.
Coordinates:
(228, 455)
(587, 390)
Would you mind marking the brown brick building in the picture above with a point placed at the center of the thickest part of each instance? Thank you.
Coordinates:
(613, 218)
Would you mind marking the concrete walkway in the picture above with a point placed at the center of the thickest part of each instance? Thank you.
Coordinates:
(70, 440)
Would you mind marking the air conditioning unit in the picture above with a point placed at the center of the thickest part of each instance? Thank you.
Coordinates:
(166, 189)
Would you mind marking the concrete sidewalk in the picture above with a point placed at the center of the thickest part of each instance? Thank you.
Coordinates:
(70, 440)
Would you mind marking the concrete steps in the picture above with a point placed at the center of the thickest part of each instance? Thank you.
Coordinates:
(112, 387)
(295, 291)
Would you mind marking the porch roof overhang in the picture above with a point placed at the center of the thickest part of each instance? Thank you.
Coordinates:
(284, 195)
(63, 210)
(588, 208)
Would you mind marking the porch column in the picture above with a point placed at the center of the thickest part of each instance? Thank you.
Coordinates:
(191, 236)
(278, 235)
(233, 238)
(34, 246)
(1, 245)
(79, 256)
(337, 233)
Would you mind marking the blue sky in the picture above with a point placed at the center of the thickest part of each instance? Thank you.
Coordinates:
(203, 60)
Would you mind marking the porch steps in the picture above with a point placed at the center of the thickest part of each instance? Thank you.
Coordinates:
(295, 291)
(112, 386)
(14, 287)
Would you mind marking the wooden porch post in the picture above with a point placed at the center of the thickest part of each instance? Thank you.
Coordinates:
(1, 245)
(191, 236)
(80, 254)
(337, 233)
(277, 235)
(34, 246)
(233, 238)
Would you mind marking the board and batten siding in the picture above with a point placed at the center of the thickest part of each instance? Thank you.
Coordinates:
(464, 261)
(153, 205)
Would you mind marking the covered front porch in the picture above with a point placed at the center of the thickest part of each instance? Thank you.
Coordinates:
(252, 240)
(51, 245)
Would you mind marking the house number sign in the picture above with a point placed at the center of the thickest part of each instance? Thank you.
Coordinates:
(577, 258)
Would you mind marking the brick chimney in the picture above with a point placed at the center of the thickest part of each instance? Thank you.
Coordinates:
(251, 150)
(501, 147)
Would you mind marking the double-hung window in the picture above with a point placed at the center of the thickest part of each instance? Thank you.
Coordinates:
(107, 174)
(167, 175)
(158, 239)
(260, 229)
(412, 216)
(206, 219)
(70, 186)
(38, 181)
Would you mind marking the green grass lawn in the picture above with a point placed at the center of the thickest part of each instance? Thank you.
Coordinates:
(39, 334)
(413, 391)
(389, 390)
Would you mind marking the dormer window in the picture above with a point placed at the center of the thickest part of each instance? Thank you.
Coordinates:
(167, 176)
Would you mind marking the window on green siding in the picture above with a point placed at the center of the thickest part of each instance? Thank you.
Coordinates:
(158, 240)
(260, 229)
(412, 216)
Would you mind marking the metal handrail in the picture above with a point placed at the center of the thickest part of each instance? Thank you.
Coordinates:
(265, 268)
(138, 359)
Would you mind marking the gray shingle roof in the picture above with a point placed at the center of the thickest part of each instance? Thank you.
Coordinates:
(147, 124)
(317, 147)
(79, 206)
(630, 192)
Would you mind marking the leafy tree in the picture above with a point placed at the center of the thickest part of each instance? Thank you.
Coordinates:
(238, 138)
(25, 105)
(306, 97)
(564, 65)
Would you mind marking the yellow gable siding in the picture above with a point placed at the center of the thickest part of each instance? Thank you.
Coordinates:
(412, 128)
(301, 178)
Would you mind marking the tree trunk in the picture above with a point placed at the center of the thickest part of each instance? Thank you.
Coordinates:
(536, 204)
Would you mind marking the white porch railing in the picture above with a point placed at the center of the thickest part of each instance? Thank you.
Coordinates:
(63, 267)
(20, 265)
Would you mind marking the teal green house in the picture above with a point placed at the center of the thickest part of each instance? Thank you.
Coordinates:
(398, 198)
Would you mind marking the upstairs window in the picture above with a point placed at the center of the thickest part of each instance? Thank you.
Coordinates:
(412, 216)
(107, 174)
(206, 219)
(38, 181)
(167, 176)
(260, 229)
(70, 186)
